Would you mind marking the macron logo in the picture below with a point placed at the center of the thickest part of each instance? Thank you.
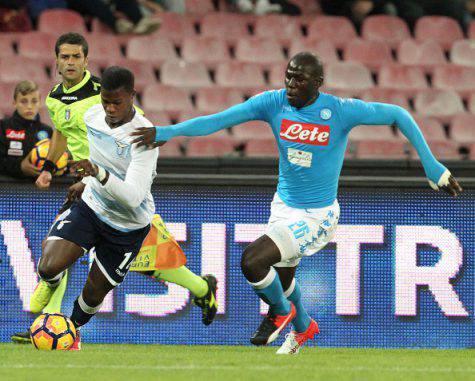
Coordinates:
(305, 133)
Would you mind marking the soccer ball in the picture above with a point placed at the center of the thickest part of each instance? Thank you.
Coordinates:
(39, 154)
(52, 331)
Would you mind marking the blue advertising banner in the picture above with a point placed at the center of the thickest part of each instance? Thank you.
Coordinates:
(399, 272)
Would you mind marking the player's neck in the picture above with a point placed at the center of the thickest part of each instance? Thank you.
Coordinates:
(68, 84)
(127, 119)
(312, 100)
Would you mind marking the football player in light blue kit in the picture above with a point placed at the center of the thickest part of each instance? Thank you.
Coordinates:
(311, 129)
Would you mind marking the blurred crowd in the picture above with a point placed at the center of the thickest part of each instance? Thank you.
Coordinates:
(138, 16)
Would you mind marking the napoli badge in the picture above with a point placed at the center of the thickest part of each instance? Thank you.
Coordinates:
(325, 113)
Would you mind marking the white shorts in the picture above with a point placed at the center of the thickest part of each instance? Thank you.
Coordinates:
(300, 232)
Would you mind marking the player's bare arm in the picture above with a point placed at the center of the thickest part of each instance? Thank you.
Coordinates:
(58, 146)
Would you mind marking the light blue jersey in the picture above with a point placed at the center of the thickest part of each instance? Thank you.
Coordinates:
(311, 140)
(125, 201)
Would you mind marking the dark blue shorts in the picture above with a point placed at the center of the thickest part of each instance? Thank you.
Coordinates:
(114, 250)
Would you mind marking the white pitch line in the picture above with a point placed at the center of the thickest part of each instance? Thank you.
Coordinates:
(238, 367)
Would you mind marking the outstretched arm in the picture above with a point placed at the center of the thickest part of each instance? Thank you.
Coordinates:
(203, 125)
(386, 114)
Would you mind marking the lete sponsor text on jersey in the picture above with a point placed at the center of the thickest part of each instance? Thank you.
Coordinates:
(14, 134)
(305, 133)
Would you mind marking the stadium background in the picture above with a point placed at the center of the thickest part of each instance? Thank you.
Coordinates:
(204, 61)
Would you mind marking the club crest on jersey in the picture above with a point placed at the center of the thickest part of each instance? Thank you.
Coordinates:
(67, 114)
(120, 147)
(305, 133)
(325, 113)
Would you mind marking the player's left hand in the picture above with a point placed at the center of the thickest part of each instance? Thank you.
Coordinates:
(453, 187)
(75, 191)
(83, 168)
(146, 137)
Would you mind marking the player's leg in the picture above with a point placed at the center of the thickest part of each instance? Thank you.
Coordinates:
(305, 327)
(257, 266)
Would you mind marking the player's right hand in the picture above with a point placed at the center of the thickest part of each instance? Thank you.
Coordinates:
(75, 191)
(44, 180)
(145, 136)
(453, 187)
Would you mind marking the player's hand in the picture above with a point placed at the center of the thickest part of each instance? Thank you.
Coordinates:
(27, 168)
(145, 136)
(44, 180)
(453, 187)
(83, 168)
(75, 191)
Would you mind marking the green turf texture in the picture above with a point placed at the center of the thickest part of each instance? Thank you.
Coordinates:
(165, 362)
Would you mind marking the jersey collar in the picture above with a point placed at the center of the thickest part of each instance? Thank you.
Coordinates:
(87, 76)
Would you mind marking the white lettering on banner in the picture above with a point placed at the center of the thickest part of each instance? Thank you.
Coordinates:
(213, 258)
(249, 233)
(20, 259)
(348, 241)
(409, 275)
(161, 304)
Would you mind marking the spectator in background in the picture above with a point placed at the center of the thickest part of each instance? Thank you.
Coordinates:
(14, 16)
(157, 6)
(20, 132)
(262, 7)
(136, 22)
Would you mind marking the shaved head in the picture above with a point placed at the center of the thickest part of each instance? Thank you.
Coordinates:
(303, 78)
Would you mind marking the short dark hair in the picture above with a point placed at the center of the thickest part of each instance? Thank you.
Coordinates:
(72, 39)
(311, 61)
(116, 77)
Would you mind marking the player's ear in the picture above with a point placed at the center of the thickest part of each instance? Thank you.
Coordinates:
(86, 61)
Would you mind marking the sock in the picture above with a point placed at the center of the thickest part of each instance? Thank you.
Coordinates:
(82, 313)
(182, 276)
(54, 304)
(302, 319)
(270, 291)
(54, 282)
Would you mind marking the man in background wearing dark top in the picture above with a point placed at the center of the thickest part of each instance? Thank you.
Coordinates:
(20, 132)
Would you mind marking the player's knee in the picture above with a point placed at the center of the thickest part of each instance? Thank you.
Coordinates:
(250, 261)
(47, 269)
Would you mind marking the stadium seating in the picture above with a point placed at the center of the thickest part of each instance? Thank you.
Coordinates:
(458, 78)
(185, 74)
(261, 148)
(372, 54)
(284, 28)
(386, 96)
(210, 100)
(15, 69)
(325, 50)
(443, 150)
(165, 98)
(403, 78)
(351, 76)
(252, 130)
(171, 148)
(441, 104)
(199, 6)
(228, 26)
(151, 49)
(176, 28)
(381, 149)
(431, 128)
(53, 20)
(471, 103)
(158, 118)
(239, 75)
(462, 129)
(104, 47)
(208, 50)
(444, 30)
(359, 133)
(6, 45)
(425, 54)
(336, 29)
(277, 75)
(388, 29)
(209, 147)
(471, 30)
(261, 51)
(463, 52)
(37, 45)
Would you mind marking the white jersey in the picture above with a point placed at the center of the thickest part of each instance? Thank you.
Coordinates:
(125, 202)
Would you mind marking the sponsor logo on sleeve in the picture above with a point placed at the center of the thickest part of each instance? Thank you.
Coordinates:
(305, 133)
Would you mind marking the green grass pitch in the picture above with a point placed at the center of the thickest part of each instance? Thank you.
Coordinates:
(166, 362)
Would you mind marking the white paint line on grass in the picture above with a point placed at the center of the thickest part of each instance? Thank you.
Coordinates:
(238, 368)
